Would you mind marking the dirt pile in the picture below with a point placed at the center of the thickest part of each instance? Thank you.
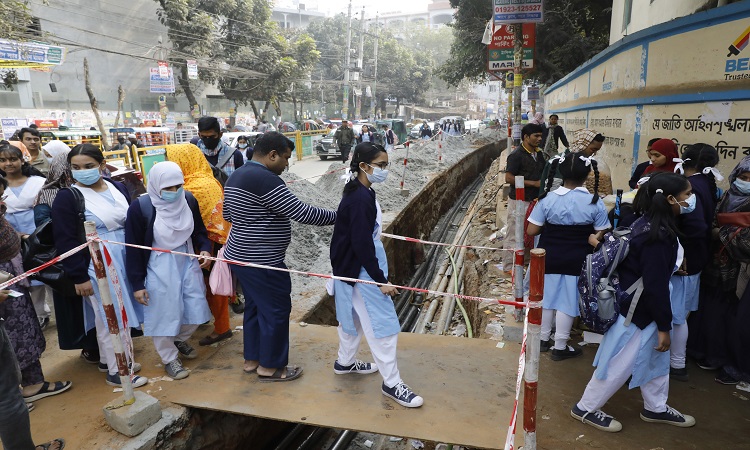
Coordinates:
(309, 250)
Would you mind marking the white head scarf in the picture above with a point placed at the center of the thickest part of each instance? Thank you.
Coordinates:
(173, 224)
(56, 147)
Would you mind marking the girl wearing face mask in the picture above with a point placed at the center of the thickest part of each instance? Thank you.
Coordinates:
(170, 287)
(356, 252)
(719, 336)
(24, 184)
(106, 204)
(695, 222)
(639, 350)
(243, 146)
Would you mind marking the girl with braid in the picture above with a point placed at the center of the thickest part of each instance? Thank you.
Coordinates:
(695, 223)
(567, 219)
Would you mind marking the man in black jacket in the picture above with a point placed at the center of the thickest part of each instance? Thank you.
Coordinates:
(551, 146)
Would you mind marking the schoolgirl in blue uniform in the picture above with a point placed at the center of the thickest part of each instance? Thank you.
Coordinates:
(640, 349)
(565, 217)
(170, 287)
(357, 252)
(695, 223)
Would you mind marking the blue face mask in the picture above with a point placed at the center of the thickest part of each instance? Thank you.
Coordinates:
(243, 145)
(742, 186)
(378, 175)
(86, 177)
(171, 196)
(690, 205)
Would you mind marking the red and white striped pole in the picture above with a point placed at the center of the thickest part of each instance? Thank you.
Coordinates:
(109, 312)
(531, 375)
(403, 174)
(440, 147)
(519, 250)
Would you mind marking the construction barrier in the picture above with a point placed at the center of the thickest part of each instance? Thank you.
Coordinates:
(305, 141)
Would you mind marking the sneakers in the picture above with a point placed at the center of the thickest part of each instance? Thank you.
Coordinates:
(358, 366)
(597, 419)
(671, 417)
(104, 369)
(569, 352)
(544, 346)
(43, 322)
(705, 365)
(678, 374)
(175, 370)
(724, 378)
(403, 395)
(138, 381)
(90, 357)
(186, 350)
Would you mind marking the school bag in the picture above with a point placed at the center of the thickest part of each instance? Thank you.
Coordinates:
(599, 288)
(39, 248)
(217, 171)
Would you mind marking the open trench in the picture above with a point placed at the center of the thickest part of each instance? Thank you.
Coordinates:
(442, 211)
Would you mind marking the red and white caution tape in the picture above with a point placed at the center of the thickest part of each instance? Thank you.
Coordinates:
(52, 261)
(420, 241)
(320, 275)
(316, 176)
(125, 330)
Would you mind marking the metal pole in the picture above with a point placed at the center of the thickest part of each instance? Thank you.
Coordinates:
(109, 312)
(531, 375)
(358, 112)
(403, 174)
(519, 251)
(375, 70)
(517, 82)
(347, 61)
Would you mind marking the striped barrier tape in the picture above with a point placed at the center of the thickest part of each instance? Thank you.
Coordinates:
(320, 275)
(511, 436)
(52, 261)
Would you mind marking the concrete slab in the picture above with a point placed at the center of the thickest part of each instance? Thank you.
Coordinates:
(467, 386)
(132, 420)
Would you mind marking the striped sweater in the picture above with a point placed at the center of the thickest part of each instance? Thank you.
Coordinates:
(259, 206)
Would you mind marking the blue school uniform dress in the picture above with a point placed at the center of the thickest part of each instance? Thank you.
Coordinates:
(177, 293)
(655, 261)
(568, 218)
(357, 213)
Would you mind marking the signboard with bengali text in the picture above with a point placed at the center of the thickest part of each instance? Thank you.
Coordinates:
(501, 57)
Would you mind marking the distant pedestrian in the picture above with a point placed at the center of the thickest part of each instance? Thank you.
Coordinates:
(551, 144)
(390, 138)
(343, 138)
(366, 135)
(259, 205)
(134, 141)
(425, 132)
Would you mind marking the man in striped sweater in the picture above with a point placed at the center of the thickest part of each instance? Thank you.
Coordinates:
(259, 206)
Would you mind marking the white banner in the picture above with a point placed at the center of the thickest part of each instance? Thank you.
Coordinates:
(192, 69)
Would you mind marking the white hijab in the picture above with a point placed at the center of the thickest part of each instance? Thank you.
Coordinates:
(173, 224)
(55, 148)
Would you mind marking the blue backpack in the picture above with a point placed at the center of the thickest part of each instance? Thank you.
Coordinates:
(599, 286)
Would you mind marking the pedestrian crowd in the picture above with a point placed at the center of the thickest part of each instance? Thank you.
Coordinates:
(681, 288)
(204, 200)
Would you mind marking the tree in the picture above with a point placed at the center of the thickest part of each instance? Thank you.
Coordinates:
(573, 32)
(95, 105)
(15, 17)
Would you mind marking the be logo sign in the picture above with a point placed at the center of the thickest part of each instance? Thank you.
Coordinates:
(735, 65)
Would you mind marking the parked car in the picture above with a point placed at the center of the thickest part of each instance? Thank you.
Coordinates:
(325, 147)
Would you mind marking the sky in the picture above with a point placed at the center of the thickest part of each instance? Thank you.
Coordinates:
(383, 6)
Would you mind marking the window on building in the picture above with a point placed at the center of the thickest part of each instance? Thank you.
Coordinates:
(627, 13)
(493, 88)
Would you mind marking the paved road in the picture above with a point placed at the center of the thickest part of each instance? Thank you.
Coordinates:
(312, 166)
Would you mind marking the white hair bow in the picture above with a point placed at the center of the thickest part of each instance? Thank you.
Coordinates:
(560, 158)
(642, 181)
(678, 168)
(348, 176)
(585, 160)
(715, 171)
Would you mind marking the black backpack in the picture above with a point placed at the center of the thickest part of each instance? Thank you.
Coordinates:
(217, 171)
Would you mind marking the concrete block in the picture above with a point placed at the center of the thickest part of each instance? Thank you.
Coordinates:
(131, 420)
(173, 420)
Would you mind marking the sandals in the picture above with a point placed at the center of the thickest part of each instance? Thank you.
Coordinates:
(292, 373)
(208, 340)
(57, 388)
(49, 445)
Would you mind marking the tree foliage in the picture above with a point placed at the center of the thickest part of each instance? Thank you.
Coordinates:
(573, 31)
(15, 16)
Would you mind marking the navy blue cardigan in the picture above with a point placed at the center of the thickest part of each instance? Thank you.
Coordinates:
(138, 232)
(654, 261)
(352, 246)
(696, 226)
(66, 230)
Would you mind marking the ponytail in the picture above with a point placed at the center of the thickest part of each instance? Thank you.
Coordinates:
(551, 177)
(659, 211)
(595, 198)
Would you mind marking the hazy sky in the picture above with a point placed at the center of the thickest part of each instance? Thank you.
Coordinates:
(371, 7)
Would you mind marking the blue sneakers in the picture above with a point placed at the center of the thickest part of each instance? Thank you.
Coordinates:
(671, 417)
(403, 395)
(597, 419)
(358, 366)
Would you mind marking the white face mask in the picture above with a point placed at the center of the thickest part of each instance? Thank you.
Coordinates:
(742, 186)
